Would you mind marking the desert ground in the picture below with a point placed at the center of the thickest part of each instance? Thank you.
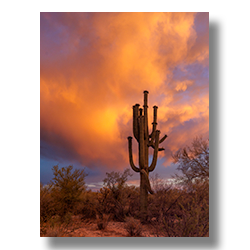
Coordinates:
(89, 228)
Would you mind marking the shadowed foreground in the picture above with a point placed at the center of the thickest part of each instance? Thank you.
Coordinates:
(78, 228)
(176, 210)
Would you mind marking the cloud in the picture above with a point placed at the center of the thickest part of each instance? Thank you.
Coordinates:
(182, 85)
(95, 66)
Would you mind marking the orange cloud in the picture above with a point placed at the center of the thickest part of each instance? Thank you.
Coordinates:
(95, 66)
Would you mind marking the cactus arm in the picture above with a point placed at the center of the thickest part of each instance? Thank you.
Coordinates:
(152, 145)
(147, 181)
(154, 123)
(131, 155)
(152, 135)
(163, 138)
(145, 106)
(154, 161)
(135, 121)
(146, 135)
(155, 114)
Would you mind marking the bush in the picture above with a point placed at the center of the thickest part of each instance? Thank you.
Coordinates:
(66, 188)
(133, 227)
(46, 204)
(189, 216)
(87, 208)
(162, 202)
(57, 226)
(102, 221)
(113, 197)
(133, 201)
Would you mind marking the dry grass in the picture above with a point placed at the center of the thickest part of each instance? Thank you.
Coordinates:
(102, 221)
(55, 232)
(133, 227)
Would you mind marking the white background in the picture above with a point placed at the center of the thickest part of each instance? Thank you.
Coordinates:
(19, 110)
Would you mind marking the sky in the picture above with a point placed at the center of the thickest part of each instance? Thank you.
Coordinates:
(95, 66)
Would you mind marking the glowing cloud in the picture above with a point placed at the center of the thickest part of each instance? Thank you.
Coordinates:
(95, 66)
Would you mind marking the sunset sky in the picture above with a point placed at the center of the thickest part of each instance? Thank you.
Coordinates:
(95, 67)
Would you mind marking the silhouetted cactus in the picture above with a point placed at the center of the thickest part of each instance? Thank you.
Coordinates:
(145, 140)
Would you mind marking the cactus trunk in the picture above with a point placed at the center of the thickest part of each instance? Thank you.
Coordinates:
(143, 196)
(145, 140)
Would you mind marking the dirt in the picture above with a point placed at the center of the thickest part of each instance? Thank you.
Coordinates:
(89, 228)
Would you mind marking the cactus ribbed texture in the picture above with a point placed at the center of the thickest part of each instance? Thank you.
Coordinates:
(145, 140)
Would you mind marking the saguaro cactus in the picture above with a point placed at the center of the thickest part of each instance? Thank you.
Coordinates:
(145, 140)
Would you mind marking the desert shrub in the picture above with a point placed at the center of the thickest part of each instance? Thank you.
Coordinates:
(57, 226)
(133, 201)
(118, 206)
(87, 208)
(113, 197)
(189, 216)
(102, 221)
(193, 161)
(133, 227)
(105, 202)
(66, 188)
(47, 209)
(161, 202)
(116, 180)
(109, 204)
(67, 219)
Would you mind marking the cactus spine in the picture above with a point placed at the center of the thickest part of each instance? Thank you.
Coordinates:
(145, 140)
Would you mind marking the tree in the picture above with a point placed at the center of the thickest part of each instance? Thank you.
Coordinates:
(116, 180)
(188, 215)
(67, 187)
(113, 197)
(193, 161)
